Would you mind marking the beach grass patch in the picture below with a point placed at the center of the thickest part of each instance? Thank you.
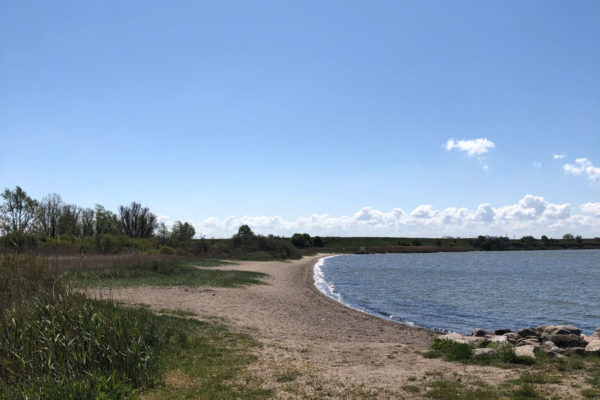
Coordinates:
(449, 350)
(159, 273)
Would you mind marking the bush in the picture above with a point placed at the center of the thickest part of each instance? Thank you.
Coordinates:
(450, 350)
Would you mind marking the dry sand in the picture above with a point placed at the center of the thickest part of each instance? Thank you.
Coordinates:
(314, 347)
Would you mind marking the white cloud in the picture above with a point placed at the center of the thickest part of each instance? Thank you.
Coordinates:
(473, 147)
(537, 164)
(591, 209)
(558, 156)
(583, 166)
(531, 215)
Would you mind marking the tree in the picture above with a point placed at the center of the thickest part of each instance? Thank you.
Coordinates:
(568, 236)
(86, 222)
(17, 212)
(137, 221)
(182, 232)
(48, 215)
(301, 240)
(106, 221)
(244, 236)
(68, 223)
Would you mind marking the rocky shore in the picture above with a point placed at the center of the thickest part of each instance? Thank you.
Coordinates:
(555, 340)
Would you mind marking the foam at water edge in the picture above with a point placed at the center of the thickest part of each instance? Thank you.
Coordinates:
(328, 289)
(321, 283)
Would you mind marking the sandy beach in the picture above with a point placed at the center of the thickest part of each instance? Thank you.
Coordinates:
(314, 347)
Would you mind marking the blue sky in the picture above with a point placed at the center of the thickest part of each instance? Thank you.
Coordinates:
(263, 109)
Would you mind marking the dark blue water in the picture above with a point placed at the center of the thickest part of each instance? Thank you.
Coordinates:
(463, 291)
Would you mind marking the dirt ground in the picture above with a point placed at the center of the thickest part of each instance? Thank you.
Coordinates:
(314, 347)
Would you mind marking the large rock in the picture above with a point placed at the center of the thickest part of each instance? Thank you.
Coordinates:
(528, 332)
(565, 341)
(502, 331)
(549, 347)
(512, 337)
(485, 352)
(596, 333)
(535, 342)
(593, 347)
(552, 330)
(499, 339)
(457, 337)
(480, 333)
(525, 351)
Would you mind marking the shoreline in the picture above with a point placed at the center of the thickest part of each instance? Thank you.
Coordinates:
(321, 342)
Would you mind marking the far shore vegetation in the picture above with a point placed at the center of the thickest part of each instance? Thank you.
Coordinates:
(50, 226)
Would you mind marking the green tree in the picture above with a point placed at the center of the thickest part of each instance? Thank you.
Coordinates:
(244, 236)
(182, 233)
(106, 221)
(17, 212)
(137, 221)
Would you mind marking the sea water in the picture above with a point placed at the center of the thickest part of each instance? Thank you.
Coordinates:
(463, 291)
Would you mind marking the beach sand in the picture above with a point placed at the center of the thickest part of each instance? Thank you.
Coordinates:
(313, 346)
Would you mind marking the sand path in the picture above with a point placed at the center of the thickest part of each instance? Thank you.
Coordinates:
(314, 347)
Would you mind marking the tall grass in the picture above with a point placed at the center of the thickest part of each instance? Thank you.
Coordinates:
(55, 344)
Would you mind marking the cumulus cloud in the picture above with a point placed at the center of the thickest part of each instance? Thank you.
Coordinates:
(473, 147)
(531, 215)
(558, 156)
(583, 166)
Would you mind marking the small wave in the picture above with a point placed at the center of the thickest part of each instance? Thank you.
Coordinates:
(328, 289)
(325, 287)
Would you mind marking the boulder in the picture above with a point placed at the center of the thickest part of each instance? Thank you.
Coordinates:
(502, 331)
(567, 340)
(457, 337)
(593, 347)
(528, 332)
(480, 333)
(512, 337)
(499, 339)
(549, 347)
(552, 330)
(485, 352)
(573, 350)
(596, 333)
(535, 342)
(525, 351)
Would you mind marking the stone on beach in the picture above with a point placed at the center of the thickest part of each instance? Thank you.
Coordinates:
(485, 352)
(502, 331)
(457, 337)
(593, 347)
(525, 351)
(567, 340)
(596, 333)
(528, 332)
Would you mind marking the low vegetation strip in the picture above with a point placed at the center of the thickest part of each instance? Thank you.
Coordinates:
(160, 273)
(55, 344)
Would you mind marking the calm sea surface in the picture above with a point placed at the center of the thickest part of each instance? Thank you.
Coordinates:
(463, 291)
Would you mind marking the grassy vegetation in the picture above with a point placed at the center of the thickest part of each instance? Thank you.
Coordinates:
(535, 372)
(162, 272)
(60, 345)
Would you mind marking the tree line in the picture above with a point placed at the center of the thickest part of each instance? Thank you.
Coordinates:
(52, 217)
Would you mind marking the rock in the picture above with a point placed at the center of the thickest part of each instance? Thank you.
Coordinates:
(573, 350)
(502, 331)
(485, 352)
(480, 333)
(588, 339)
(535, 342)
(528, 332)
(549, 347)
(457, 337)
(593, 347)
(567, 340)
(525, 351)
(512, 337)
(499, 339)
(552, 330)
(596, 333)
